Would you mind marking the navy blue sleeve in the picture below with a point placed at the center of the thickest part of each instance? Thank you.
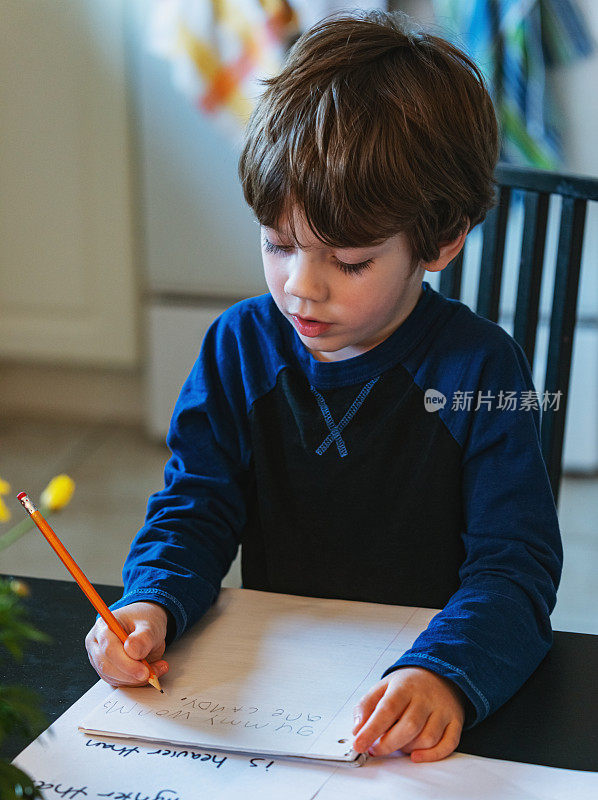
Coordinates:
(193, 525)
(495, 629)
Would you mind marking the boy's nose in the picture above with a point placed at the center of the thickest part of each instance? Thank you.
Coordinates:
(305, 280)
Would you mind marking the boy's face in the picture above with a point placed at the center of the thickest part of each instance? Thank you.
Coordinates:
(342, 302)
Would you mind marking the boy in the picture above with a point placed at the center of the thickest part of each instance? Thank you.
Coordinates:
(307, 429)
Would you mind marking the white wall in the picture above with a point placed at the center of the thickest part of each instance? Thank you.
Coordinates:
(68, 289)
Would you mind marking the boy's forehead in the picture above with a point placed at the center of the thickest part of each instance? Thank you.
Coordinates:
(306, 237)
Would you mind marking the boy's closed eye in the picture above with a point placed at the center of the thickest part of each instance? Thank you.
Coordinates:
(349, 268)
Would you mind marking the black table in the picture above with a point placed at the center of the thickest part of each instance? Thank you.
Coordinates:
(552, 720)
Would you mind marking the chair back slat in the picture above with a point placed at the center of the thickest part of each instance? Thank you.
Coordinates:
(530, 272)
(537, 180)
(493, 248)
(450, 277)
(562, 325)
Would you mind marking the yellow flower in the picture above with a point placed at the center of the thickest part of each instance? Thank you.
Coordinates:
(20, 588)
(4, 512)
(57, 493)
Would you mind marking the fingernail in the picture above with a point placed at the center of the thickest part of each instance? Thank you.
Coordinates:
(371, 751)
(141, 674)
(356, 721)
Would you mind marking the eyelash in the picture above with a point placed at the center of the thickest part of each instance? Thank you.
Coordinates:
(348, 269)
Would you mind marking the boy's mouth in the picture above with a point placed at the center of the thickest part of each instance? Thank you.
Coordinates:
(310, 327)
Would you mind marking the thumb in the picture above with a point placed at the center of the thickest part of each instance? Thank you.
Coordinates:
(139, 642)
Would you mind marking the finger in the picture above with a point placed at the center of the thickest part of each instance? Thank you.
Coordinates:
(429, 736)
(445, 746)
(388, 709)
(103, 668)
(408, 727)
(105, 652)
(142, 642)
(94, 631)
(111, 658)
(363, 710)
(90, 639)
(104, 663)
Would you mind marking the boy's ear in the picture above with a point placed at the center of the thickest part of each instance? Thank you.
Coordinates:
(447, 251)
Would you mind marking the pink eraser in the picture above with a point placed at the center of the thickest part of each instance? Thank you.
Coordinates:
(21, 495)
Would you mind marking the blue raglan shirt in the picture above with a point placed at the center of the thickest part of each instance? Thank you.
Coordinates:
(340, 480)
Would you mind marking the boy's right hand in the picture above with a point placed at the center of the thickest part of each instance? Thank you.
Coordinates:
(120, 665)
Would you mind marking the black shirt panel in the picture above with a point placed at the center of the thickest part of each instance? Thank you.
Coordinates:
(376, 515)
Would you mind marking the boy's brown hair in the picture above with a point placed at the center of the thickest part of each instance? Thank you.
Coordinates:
(370, 130)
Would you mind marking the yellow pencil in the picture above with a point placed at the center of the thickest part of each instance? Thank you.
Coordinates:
(77, 573)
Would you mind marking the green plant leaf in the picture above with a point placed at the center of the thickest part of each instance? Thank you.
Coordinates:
(20, 713)
(15, 785)
(19, 707)
(15, 630)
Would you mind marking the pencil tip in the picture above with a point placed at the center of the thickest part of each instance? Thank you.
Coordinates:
(153, 681)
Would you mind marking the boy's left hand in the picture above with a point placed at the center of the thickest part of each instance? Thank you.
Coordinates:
(413, 710)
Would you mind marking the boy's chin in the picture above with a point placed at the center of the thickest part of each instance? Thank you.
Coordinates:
(323, 351)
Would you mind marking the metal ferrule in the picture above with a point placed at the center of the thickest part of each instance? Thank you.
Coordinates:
(27, 504)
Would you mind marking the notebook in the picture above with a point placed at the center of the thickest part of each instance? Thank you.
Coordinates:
(268, 674)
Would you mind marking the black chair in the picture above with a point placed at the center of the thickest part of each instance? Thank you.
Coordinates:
(537, 186)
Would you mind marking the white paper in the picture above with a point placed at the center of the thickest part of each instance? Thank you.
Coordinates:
(267, 673)
(458, 777)
(73, 766)
(68, 765)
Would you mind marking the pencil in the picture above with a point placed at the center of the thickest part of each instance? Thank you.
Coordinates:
(77, 573)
